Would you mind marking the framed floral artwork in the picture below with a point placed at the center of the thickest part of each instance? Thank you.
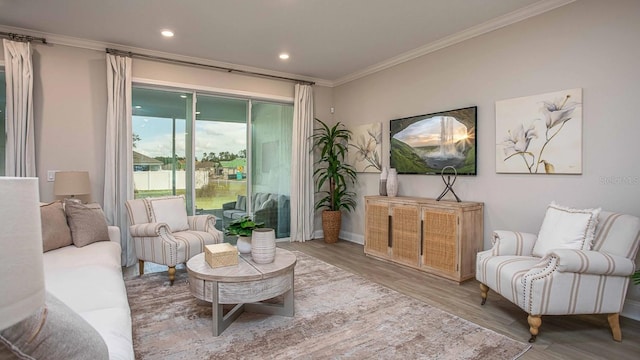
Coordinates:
(365, 148)
(540, 134)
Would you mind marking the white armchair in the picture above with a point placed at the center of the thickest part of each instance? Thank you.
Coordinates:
(564, 281)
(163, 233)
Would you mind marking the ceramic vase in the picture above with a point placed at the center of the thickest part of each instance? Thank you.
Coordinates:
(392, 183)
(244, 244)
(263, 245)
(383, 182)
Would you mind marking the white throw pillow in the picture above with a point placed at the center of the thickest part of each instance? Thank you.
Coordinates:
(566, 228)
(170, 210)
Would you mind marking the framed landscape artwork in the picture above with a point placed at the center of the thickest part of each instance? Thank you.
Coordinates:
(365, 148)
(540, 134)
(427, 144)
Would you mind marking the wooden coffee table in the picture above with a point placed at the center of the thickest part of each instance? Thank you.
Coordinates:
(244, 285)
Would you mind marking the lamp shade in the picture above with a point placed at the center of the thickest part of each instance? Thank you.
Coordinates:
(71, 183)
(21, 269)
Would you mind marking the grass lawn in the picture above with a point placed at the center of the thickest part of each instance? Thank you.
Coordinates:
(211, 196)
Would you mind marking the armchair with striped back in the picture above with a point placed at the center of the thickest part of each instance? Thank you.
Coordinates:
(562, 281)
(162, 232)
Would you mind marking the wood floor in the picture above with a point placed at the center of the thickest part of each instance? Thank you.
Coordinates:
(561, 337)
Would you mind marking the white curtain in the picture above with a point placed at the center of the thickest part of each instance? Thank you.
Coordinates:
(302, 190)
(118, 170)
(20, 154)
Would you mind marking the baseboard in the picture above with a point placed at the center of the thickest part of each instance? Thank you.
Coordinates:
(344, 235)
(631, 309)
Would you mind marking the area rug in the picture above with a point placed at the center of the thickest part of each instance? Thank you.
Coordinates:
(338, 315)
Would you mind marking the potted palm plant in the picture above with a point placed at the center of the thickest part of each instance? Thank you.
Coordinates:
(243, 227)
(332, 175)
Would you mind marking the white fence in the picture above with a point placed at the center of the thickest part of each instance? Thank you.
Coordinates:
(163, 179)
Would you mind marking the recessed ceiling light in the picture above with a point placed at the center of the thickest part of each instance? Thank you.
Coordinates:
(197, 112)
(183, 96)
(138, 107)
(167, 33)
(284, 56)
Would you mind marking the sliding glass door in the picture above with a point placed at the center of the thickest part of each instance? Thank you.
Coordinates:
(229, 156)
(160, 141)
(271, 134)
(221, 154)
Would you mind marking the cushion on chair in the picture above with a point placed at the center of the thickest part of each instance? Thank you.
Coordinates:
(269, 204)
(170, 210)
(566, 228)
(241, 203)
(55, 230)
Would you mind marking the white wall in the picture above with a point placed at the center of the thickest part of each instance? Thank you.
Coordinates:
(589, 44)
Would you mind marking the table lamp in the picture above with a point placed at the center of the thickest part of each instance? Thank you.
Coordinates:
(21, 269)
(71, 183)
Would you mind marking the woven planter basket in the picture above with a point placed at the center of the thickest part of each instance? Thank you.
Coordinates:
(331, 223)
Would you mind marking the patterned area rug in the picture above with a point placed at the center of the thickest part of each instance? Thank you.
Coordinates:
(338, 315)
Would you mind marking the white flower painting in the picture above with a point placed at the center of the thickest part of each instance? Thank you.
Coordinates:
(540, 134)
(365, 148)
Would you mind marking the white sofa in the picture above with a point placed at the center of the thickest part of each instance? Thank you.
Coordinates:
(89, 280)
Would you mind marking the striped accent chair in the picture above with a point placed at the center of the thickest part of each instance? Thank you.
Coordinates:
(153, 239)
(565, 281)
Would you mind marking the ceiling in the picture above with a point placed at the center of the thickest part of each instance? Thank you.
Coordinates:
(329, 40)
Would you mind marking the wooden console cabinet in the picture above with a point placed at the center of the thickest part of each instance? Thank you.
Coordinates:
(438, 237)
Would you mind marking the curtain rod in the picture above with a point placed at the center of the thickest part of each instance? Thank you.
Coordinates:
(22, 38)
(190, 63)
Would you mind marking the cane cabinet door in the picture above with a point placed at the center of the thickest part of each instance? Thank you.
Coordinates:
(376, 240)
(440, 240)
(405, 234)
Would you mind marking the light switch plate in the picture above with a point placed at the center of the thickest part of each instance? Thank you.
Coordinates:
(51, 175)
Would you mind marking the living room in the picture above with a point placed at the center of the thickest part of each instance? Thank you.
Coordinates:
(585, 44)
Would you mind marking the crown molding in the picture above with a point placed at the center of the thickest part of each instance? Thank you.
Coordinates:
(102, 46)
(474, 31)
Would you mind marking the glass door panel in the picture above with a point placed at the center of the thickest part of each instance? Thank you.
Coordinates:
(271, 133)
(221, 158)
(160, 143)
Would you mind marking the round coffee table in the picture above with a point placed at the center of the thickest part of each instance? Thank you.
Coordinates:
(245, 285)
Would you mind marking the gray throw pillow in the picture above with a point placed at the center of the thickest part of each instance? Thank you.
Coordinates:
(241, 202)
(87, 223)
(55, 231)
(52, 332)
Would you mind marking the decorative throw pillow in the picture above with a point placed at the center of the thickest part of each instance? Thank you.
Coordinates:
(566, 228)
(87, 222)
(241, 202)
(55, 231)
(52, 332)
(269, 204)
(170, 210)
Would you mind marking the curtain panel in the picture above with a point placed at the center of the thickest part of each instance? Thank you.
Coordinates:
(20, 154)
(302, 195)
(118, 171)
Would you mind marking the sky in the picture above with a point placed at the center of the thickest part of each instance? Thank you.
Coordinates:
(155, 136)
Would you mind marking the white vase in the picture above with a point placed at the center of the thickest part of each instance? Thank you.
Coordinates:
(383, 182)
(244, 244)
(392, 183)
(263, 245)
